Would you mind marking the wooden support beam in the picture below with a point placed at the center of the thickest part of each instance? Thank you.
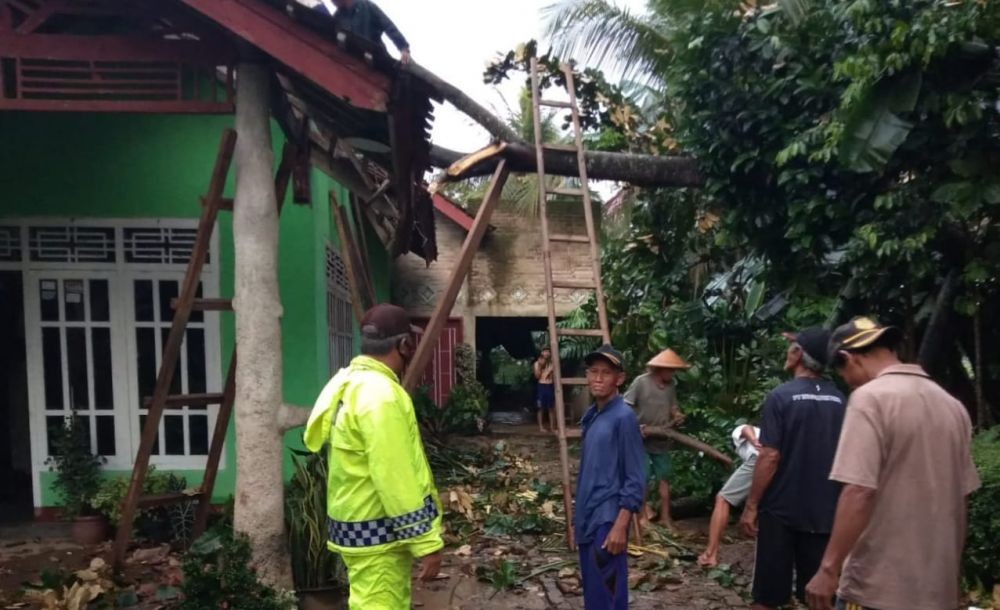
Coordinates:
(428, 342)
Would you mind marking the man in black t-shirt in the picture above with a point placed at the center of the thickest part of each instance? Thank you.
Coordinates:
(792, 501)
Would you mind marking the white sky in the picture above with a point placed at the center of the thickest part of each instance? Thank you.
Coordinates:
(455, 39)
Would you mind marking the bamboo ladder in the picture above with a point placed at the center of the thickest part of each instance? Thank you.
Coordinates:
(548, 238)
(186, 302)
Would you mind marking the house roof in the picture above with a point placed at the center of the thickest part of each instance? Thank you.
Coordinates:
(368, 123)
(365, 122)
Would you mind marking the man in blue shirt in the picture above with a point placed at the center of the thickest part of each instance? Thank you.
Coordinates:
(801, 425)
(364, 18)
(612, 484)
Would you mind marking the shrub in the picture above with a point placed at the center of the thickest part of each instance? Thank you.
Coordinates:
(982, 561)
(78, 471)
(217, 574)
(313, 565)
(171, 523)
(466, 410)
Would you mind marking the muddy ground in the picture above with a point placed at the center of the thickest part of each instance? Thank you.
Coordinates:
(541, 573)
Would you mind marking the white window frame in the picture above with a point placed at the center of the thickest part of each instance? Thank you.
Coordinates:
(121, 276)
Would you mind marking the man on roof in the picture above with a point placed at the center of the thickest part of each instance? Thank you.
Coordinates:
(367, 20)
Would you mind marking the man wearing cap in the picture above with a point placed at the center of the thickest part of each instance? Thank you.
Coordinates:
(611, 486)
(654, 399)
(382, 507)
(905, 461)
(792, 501)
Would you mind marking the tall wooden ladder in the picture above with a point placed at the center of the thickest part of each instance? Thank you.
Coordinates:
(187, 302)
(549, 238)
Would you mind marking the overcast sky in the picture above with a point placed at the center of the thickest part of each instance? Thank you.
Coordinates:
(456, 38)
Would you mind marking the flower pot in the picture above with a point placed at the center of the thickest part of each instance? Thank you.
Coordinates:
(89, 530)
(328, 598)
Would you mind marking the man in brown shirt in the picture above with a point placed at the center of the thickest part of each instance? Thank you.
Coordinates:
(904, 458)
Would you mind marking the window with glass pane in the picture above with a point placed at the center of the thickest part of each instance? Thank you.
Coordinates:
(77, 356)
(183, 429)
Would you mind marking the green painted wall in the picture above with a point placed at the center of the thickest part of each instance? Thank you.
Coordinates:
(131, 166)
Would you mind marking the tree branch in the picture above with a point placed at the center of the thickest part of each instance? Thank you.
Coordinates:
(292, 416)
(475, 111)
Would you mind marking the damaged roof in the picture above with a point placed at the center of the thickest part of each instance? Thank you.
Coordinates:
(369, 128)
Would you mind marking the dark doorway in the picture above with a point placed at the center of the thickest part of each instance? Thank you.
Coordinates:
(15, 450)
(506, 349)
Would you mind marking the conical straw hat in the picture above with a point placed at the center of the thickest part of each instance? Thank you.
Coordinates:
(668, 359)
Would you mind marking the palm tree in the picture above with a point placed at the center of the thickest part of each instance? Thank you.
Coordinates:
(603, 35)
(637, 46)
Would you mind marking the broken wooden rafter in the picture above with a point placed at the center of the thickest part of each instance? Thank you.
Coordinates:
(638, 170)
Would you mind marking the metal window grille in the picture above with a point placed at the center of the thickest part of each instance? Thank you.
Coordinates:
(72, 244)
(159, 245)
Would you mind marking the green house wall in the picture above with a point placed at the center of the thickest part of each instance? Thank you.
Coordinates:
(157, 166)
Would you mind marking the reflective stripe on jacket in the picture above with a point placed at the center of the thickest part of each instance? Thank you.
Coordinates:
(380, 491)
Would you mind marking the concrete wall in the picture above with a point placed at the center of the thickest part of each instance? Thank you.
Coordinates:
(151, 166)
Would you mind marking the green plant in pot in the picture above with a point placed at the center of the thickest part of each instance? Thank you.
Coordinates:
(319, 575)
(78, 479)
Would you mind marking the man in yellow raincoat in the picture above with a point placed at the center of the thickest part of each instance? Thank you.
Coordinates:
(382, 507)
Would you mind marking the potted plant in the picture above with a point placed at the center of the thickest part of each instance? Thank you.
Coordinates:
(319, 575)
(78, 478)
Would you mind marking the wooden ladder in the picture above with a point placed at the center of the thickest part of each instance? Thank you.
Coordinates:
(548, 238)
(186, 302)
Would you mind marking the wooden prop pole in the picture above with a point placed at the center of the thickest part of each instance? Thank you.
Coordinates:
(428, 342)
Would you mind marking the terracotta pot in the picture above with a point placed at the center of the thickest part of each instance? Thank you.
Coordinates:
(322, 599)
(89, 530)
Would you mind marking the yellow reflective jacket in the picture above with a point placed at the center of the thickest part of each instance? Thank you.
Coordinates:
(380, 491)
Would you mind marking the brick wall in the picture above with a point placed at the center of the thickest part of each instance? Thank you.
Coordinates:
(507, 277)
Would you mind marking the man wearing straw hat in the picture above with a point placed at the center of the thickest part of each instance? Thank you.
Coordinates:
(654, 399)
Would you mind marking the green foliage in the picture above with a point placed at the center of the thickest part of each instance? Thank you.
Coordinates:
(981, 562)
(217, 574)
(464, 413)
(502, 575)
(466, 410)
(78, 471)
(164, 524)
(313, 565)
(468, 402)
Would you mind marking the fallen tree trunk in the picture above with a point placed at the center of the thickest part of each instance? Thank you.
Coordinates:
(638, 170)
(473, 109)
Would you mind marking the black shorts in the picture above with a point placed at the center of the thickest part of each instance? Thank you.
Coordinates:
(782, 552)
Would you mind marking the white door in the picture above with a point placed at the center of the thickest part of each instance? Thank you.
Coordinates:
(185, 431)
(73, 343)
